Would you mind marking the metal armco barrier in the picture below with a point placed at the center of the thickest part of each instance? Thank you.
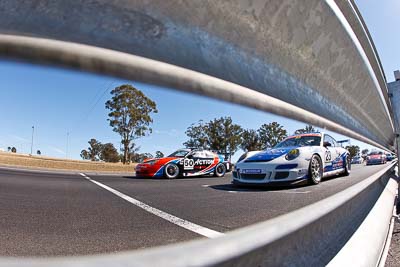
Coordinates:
(315, 54)
(312, 60)
(310, 236)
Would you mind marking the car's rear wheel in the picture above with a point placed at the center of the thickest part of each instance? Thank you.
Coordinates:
(347, 166)
(220, 170)
(315, 170)
(171, 171)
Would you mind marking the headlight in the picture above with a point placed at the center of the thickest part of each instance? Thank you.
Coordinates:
(292, 154)
(242, 157)
(151, 162)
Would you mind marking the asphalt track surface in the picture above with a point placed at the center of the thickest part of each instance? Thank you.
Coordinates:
(55, 214)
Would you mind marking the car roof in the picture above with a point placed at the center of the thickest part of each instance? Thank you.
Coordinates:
(304, 134)
(201, 150)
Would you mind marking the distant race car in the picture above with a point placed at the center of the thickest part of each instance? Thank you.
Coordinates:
(376, 157)
(298, 158)
(185, 162)
(390, 157)
(357, 160)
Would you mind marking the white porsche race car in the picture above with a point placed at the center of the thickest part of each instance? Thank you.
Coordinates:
(305, 157)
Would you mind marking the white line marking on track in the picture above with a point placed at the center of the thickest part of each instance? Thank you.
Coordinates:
(166, 216)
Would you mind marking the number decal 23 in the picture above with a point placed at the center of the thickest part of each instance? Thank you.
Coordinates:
(328, 156)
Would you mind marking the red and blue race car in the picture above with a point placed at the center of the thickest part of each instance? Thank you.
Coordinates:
(185, 162)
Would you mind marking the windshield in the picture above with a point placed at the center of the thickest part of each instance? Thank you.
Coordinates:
(300, 141)
(179, 153)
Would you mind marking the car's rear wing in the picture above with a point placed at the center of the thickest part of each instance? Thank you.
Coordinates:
(342, 142)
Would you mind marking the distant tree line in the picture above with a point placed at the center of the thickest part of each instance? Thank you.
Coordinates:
(226, 137)
(98, 151)
(14, 150)
(354, 150)
(108, 153)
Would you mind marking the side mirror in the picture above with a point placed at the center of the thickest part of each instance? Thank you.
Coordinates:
(326, 144)
(189, 157)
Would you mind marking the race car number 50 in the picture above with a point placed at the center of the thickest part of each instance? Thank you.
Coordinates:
(188, 164)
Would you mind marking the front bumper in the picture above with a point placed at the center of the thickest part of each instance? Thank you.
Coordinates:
(271, 183)
(377, 161)
(146, 170)
(263, 174)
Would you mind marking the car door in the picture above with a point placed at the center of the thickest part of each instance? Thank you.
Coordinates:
(197, 162)
(203, 160)
(330, 153)
(337, 160)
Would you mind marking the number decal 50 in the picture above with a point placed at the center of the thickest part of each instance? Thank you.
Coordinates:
(188, 164)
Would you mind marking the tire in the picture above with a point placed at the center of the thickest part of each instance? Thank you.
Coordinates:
(171, 171)
(220, 170)
(347, 166)
(315, 170)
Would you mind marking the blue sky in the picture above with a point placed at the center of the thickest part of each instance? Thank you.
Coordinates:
(58, 101)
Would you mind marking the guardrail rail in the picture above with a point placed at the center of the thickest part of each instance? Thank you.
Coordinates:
(313, 61)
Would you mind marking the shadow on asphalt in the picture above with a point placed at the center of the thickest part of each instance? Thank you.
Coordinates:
(258, 188)
(248, 188)
(165, 179)
(140, 177)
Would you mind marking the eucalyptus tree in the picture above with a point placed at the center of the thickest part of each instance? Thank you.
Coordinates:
(130, 115)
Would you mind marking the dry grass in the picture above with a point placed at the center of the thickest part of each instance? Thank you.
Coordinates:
(13, 159)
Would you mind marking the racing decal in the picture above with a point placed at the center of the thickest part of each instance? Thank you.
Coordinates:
(337, 164)
(328, 156)
(204, 162)
(208, 169)
(251, 171)
(188, 164)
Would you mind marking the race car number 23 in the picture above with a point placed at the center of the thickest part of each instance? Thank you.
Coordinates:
(188, 164)
(328, 156)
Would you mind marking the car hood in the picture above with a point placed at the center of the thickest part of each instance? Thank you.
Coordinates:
(160, 160)
(269, 154)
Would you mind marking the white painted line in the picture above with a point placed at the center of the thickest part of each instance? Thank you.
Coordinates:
(166, 216)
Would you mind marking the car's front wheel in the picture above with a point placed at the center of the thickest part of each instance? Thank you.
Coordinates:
(220, 170)
(315, 170)
(171, 171)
